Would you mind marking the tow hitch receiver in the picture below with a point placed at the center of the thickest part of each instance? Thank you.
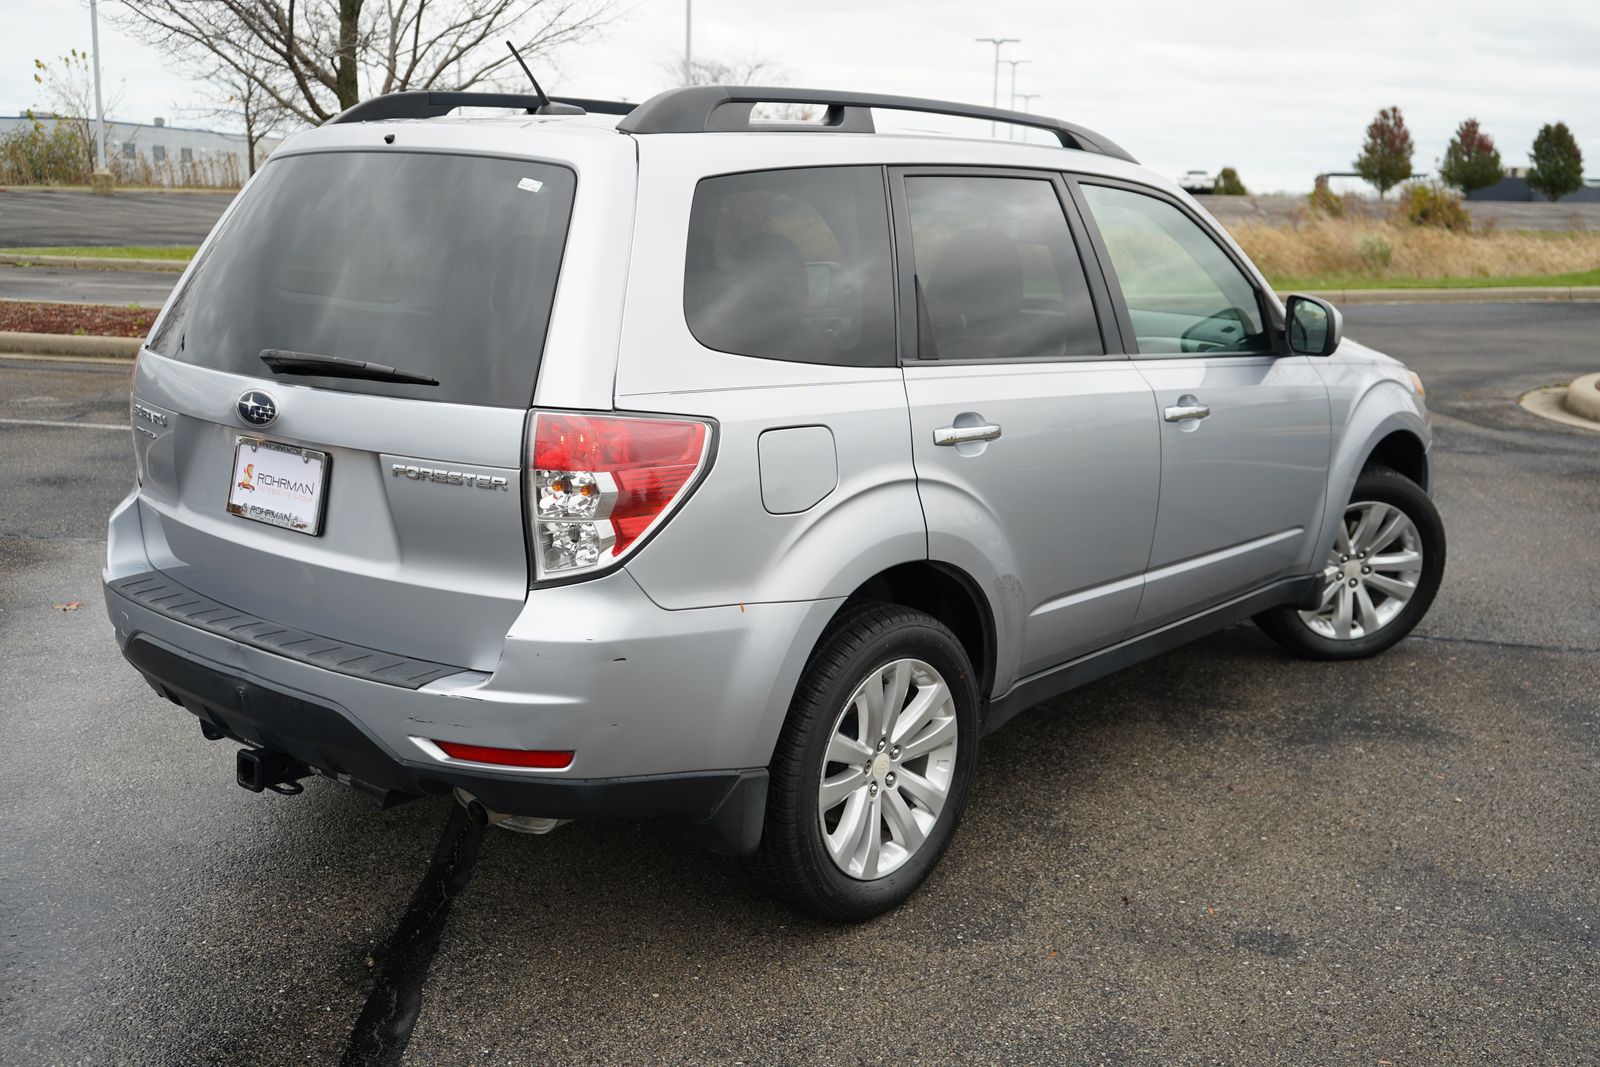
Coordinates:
(262, 768)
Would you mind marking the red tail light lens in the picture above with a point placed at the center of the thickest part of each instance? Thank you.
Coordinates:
(506, 757)
(601, 482)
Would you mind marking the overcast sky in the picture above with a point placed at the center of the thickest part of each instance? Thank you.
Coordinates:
(1180, 84)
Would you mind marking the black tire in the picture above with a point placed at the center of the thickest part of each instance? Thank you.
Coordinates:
(793, 863)
(1285, 626)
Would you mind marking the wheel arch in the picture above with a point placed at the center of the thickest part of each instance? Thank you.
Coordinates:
(948, 594)
(1401, 451)
(1386, 426)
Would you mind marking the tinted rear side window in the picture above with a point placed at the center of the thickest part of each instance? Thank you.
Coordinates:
(444, 265)
(793, 265)
(999, 271)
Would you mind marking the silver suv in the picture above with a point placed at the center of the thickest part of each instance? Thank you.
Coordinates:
(736, 472)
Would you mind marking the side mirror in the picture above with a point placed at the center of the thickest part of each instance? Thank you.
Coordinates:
(1315, 326)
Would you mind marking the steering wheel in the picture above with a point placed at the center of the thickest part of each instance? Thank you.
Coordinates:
(1221, 330)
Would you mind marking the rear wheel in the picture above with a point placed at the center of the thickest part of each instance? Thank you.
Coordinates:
(1379, 577)
(871, 771)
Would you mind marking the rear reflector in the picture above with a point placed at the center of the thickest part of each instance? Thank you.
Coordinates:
(506, 757)
(600, 483)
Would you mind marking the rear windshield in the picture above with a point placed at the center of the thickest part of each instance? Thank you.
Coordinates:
(442, 265)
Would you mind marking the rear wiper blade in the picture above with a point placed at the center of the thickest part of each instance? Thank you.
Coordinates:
(285, 362)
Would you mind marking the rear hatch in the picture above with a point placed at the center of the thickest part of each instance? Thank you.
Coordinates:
(383, 513)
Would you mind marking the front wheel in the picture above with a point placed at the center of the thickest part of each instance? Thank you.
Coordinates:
(1379, 578)
(871, 771)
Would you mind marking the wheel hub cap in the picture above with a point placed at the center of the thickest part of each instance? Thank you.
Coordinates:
(890, 760)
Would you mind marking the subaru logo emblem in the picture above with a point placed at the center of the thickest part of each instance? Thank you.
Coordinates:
(257, 408)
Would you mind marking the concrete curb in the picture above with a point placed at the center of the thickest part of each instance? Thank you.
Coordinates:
(1583, 397)
(1549, 402)
(14, 259)
(1511, 294)
(67, 344)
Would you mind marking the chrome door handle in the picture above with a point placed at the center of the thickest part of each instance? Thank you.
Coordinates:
(1179, 412)
(960, 435)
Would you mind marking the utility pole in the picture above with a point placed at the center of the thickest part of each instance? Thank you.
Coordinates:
(998, 43)
(1011, 131)
(688, 42)
(95, 179)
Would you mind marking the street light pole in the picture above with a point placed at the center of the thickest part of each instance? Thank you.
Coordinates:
(1011, 131)
(998, 42)
(1027, 107)
(99, 110)
(688, 42)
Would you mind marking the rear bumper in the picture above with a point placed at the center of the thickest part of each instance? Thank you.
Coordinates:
(723, 809)
(669, 713)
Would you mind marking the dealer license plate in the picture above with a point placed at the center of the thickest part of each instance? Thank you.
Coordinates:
(280, 485)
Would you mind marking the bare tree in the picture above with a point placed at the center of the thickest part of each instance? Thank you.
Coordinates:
(314, 58)
(247, 103)
(748, 71)
(752, 70)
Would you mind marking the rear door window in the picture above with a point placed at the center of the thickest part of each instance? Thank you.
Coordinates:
(997, 270)
(443, 265)
(792, 265)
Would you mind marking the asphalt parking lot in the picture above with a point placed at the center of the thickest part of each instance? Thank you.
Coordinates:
(40, 216)
(1220, 856)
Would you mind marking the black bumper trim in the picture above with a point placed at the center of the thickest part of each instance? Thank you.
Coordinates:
(160, 594)
(722, 810)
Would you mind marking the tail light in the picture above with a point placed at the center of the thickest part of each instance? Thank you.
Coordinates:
(600, 483)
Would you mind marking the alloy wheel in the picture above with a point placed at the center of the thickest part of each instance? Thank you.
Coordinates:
(888, 769)
(1370, 575)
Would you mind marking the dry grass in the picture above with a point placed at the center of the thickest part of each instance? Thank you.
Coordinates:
(1379, 250)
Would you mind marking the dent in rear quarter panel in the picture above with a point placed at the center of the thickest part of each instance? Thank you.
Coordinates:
(1370, 397)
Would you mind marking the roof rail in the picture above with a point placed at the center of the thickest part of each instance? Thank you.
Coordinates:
(421, 104)
(712, 108)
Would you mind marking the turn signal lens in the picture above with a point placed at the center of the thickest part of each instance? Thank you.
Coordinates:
(1416, 384)
(599, 483)
(506, 757)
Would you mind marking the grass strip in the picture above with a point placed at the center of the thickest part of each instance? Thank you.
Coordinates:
(173, 252)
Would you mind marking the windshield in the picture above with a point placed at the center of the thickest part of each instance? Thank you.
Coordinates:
(441, 265)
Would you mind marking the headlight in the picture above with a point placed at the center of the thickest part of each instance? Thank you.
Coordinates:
(1416, 385)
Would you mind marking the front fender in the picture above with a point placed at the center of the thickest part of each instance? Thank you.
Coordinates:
(1374, 406)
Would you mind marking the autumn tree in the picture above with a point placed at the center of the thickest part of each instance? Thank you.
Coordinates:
(1385, 159)
(315, 58)
(68, 87)
(1471, 161)
(1557, 163)
(1229, 183)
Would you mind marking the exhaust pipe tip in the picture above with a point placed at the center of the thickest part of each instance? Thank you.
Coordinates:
(481, 816)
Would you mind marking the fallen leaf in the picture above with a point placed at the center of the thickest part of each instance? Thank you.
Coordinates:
(1052, 954)
(71, 605)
